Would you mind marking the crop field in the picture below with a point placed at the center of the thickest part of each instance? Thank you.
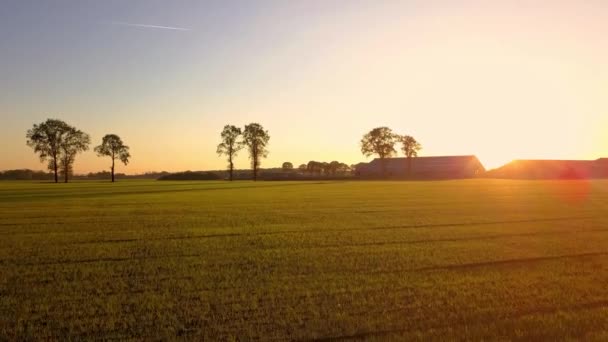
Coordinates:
(470, 259)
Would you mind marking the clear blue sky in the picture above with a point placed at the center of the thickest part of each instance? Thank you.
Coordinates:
(499, 80)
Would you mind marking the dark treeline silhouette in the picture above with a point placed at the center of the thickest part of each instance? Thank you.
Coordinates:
(313, 170)
(105, 175)
(287, 167)
(148, 175)
(192, 175)
(58, 144)
(329, 169)
(25, 174)
(267, 174)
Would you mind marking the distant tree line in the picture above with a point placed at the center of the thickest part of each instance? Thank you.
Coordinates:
(58, 144)
(108, 175)
(25, 174)
(332, 168)
(192, 175)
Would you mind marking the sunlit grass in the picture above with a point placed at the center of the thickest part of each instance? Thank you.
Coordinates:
(475, 259)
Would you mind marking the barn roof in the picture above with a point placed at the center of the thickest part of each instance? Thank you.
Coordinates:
(428, 161)
(556, 163)
(444, 164)
(548, 168)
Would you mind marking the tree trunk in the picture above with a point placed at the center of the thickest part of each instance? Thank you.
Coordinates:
(112, 169)
(255, 170)
(66, 171)
(56, 170)
(231, 168)
(255, 163)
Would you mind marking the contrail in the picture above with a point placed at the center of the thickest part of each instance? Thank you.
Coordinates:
(152, 26)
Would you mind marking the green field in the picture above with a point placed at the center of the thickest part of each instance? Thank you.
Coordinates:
(473, 259)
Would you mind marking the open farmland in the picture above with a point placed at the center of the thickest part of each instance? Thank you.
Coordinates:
(474, 259)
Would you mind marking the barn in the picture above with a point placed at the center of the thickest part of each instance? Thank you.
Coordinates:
(600, 168)
(440, 167)
(552, 169)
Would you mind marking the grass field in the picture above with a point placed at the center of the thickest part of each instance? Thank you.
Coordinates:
(473, 259)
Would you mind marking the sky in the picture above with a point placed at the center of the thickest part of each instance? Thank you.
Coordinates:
(502, 80)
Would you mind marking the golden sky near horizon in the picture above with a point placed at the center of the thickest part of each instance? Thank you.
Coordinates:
(499, 80)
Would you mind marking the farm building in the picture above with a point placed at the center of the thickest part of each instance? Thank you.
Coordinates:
(552, 169)
(444, 167)
(601, 168)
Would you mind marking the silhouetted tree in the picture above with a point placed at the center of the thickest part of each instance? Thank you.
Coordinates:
(56, 141)
(230, 146)
(410, 148)
(314, 167)
(287, 167)
(256, 139)
(325, 167)
(334, 166)
(310, 167)
(113, 147)
(45, 138)
(74, 142)
(344, 168)
(303, 168)
(380, 141)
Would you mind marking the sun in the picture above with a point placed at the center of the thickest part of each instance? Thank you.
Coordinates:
(492, 161)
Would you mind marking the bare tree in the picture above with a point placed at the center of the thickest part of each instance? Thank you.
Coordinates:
(230, 146)
(256, 139)
(380, 141)
(113, 147)
(410, 148)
